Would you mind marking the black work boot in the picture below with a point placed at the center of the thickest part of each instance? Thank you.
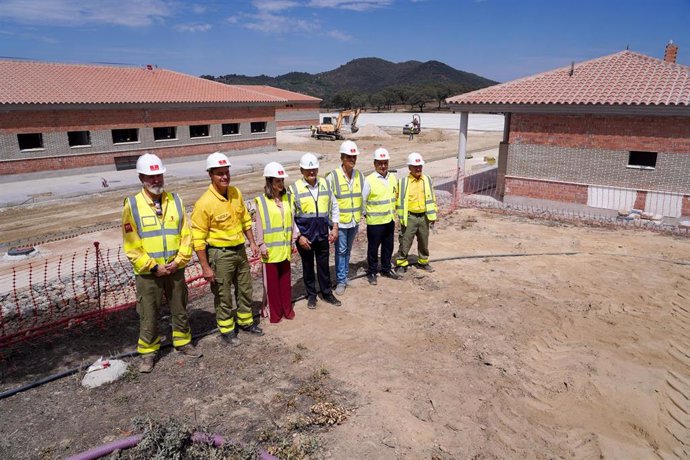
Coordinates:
(372, 279)
(333, 300)
(254, 329)
(231, 338)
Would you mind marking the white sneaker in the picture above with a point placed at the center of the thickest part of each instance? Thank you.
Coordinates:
(348, 282)
(340, 289)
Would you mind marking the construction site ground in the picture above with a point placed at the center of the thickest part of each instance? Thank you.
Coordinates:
(569, 342)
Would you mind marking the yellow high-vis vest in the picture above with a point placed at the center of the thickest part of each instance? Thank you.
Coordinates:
(305, 205)
(277, 230)
(380, 207)
(429, 199)
(160, 236)
(349, 200)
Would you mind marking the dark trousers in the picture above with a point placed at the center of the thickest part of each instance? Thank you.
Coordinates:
(384, 236)
(279, 290)
(318, 251)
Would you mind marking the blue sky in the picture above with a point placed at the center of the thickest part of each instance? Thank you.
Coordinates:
(498, 39)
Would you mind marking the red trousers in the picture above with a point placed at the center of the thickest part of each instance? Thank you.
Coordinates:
(278, 285)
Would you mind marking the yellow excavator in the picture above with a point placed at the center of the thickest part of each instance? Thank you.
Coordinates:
(328, 129)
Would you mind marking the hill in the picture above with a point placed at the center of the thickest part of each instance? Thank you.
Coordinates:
(372, 80)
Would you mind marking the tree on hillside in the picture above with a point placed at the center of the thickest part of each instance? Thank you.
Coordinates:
(441, 92)
(377, 100)
(420, 98)
(390, 96)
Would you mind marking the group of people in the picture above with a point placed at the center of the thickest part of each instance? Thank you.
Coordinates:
(311, 214)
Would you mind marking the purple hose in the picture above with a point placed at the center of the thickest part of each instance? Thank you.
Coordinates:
(131, 441)
(105, 449)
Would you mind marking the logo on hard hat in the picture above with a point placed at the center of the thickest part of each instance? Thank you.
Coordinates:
(222, 162)
(281, 172)
(154, 167)
(353, 150)
(381, 155)
(417, 160)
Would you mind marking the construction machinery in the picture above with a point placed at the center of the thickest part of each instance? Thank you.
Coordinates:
(414, 127)
(330, 129)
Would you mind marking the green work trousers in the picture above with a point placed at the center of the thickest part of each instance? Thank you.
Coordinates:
(150, 291)
(231, 268)
(417, 226)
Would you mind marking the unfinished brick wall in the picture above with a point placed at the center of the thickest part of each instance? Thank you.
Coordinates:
(655, 134)
(545, 190)
(298, 116)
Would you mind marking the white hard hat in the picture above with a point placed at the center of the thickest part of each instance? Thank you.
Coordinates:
(150, 165)
(275, 169)
(349, 148)
(415, 159)
(381, 154)
(217, 160)
(309, 161)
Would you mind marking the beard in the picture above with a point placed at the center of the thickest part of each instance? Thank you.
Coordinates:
(154, 189)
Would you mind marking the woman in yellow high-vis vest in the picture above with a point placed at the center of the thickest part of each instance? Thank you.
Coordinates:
(274, 235)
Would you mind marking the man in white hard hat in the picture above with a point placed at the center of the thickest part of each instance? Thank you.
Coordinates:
(378, 200)
(158, 243)
(416, 212)
(221, 224)
(316, 215)
(346, 183)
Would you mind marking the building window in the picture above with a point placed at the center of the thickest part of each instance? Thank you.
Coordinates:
(642, 160)
(198, 131)
(31, 141)
(231, 128)
(122, 136)
(165, 133)
(258, 126)
(79, 138)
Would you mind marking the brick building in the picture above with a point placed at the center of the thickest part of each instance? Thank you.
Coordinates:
(298, 111)
(56, 116)
(610, 133)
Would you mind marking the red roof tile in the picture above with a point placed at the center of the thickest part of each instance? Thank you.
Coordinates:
(30, 82)
(625, 78)
(291, 96)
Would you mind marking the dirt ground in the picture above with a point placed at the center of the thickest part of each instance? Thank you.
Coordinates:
(575, 347)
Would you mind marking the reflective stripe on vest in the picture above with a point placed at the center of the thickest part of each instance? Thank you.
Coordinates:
(305, 204)
(380, 209)
(349, 201)
(429, 199)
(277, 230)
(161, 240)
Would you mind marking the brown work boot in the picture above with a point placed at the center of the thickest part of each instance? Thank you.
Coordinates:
(147, 362)
(189, 350)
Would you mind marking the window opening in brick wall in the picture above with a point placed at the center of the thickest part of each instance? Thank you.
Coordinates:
(122, 136)
(30, 141)
(165, 133)
(258, 126)
(198, 131)
(79, 138)
(231, 128)
(642, 160)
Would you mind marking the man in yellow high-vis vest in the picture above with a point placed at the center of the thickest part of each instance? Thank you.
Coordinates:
(220, 226)
(316, 214)
(346, 183)
(158, 243)
(416, 212)
(378, 200)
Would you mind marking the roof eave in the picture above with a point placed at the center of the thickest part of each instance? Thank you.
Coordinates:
(132, 105)
(599, 109)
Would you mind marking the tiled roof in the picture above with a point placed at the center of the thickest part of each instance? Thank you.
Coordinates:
(625, 78)
(291, 96)
(30, 82)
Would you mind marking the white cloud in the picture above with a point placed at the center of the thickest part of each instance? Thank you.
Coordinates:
(338, 35)
(198, 9)
(274, 5)
(354, 5)
(132, 13)
(193, 27)
(277, 23)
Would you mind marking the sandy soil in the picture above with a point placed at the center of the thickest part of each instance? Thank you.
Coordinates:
(579, 353)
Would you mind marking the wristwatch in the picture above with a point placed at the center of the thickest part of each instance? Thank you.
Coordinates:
(154, 269)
